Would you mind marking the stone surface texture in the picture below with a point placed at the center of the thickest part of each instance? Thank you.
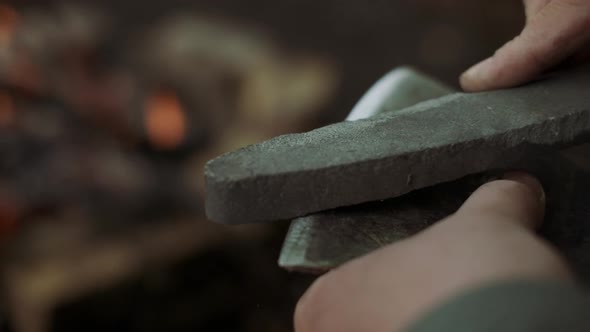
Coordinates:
(321, 241)
(325, 240)
(392, 154)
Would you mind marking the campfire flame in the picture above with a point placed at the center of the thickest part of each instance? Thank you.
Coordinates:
(165, 120)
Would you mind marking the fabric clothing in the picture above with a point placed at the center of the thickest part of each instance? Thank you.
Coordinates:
(516, 306)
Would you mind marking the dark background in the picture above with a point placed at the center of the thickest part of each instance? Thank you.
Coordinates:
(236, 285)
(366, 38)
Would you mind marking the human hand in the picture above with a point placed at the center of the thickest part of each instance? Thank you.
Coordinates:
(490, 238)
(555, 30)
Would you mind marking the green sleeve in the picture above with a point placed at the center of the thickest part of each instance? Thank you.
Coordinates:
(513, 307)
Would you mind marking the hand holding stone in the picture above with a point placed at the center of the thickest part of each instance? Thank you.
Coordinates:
(555, 31)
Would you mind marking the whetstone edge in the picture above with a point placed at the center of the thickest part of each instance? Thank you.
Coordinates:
(392, 154)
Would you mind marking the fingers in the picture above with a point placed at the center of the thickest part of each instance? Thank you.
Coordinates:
(553, 33)
(517, 198)
(390, 288)
(532, 7)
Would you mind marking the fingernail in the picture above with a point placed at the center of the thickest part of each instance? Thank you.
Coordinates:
(473, 76)
(531, 182)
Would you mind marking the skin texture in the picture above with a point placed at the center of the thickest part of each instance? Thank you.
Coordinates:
(556, 32)
(490, 238)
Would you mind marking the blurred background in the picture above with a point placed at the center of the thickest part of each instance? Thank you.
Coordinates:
(109, 110)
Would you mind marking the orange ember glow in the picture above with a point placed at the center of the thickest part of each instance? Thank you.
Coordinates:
(8, 21)
(7, 109)
(165, 121)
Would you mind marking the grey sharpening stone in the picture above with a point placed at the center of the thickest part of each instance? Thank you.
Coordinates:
(392, 154)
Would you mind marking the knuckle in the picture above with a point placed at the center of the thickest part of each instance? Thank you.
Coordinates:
(534, 53)
(574, 3)
(572, 10)
(541, 59)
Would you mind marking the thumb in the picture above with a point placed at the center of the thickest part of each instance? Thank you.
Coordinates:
(554, 33)
(518, 198)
